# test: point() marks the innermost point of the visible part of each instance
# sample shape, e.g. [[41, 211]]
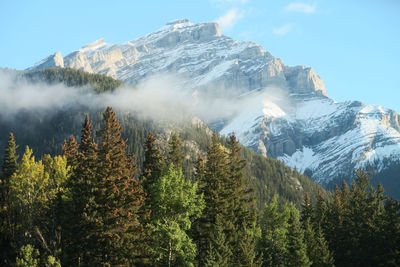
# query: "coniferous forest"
[[91, 207], [113, 198]]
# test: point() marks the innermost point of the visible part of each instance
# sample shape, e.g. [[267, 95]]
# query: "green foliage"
[[152, 168], [28, 257], [218, 252], [175, 154], [7, 218], [215, 186], [177, 203], [117, 236], [296, 249], [356, 224], [274, 228]]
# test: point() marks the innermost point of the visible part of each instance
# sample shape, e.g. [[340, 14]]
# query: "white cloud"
[[301, 8], [229, 18], [282, 30]]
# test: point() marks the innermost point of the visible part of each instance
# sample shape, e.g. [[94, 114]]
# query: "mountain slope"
[[287, 115]]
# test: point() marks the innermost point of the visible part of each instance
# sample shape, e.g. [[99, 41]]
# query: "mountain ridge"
[[292, 118]]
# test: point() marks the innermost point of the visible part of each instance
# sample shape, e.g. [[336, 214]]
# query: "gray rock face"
[[302, 126], [54, 61], [200, 54]]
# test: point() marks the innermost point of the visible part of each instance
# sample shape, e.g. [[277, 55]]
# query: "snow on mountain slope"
[[326, 139], [282, 111]]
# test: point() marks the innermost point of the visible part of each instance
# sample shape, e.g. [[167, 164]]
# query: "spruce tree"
[[296, 249], [307, 211], [317, 247], [7, 214], [118, 236], [83, 160], [215, 188], [152, 168], [218, 252], [70, 151], [242, 208], [389, 242], [175, 154], [274, 227]]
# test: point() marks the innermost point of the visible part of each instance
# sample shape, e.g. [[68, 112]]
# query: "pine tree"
[[296, 249], [317, 247], [307, 211], [389, 242], [152, 168], [215, 188], [322, 257], [118, 237], [242, 208], [320, 211], [83, 160], [274, 226], [217, 251], [175, 155], [70, 151], [7, 214]]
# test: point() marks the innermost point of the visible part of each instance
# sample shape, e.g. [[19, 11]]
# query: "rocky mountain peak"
[[197, 52], [289, 116], [53, 61]]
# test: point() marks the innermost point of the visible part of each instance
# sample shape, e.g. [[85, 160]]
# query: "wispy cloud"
[[285, 29], [229, 18], [301, 8]]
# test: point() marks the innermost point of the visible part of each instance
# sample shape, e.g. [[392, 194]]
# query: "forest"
[[87, 208], [115, 195]]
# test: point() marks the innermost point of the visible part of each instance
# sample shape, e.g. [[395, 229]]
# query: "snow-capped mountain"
[[287, 115]]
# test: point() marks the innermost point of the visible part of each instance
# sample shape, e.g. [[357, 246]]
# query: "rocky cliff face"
[[196, 52], [288, 114]]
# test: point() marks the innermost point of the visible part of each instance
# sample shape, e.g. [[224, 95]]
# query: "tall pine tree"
[[215, 188], [175, 154], [7, 214], [242, 209], [118, 236], [296, 249]]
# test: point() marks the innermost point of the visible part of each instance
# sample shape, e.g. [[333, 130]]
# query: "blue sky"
[[353, 45]]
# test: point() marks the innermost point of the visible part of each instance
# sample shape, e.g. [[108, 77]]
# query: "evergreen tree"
[[70, 151], [175, 155], [320, 211], [152, 168], [274, 226], [7, 214], [296, 249], [83, 159], [215, 188], [242, 209], [317, 247], [218, 252], [118, 237], [389, 242], [307, 211]]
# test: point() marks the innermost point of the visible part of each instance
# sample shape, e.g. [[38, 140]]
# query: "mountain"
[[288, 114]]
